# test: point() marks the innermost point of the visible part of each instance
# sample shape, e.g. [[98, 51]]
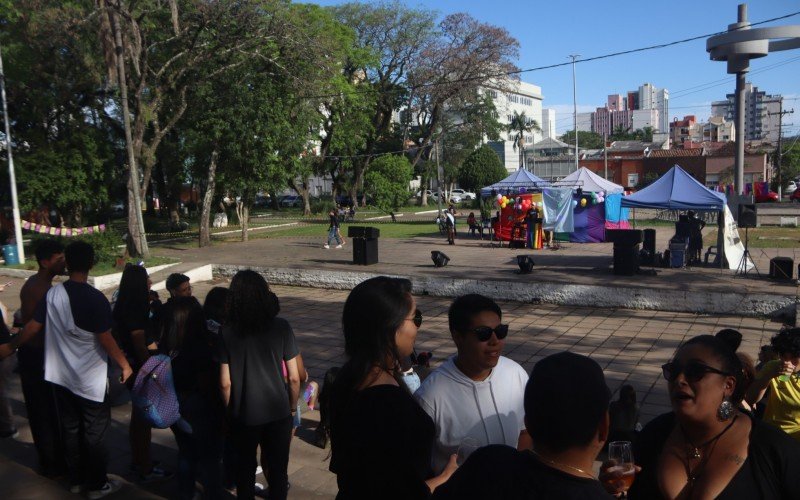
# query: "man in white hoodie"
[[476, 393]]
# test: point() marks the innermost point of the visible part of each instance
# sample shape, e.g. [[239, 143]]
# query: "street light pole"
[[11, 176], [575, 107]]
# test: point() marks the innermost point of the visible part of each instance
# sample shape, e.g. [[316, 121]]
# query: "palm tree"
[[519, 125]]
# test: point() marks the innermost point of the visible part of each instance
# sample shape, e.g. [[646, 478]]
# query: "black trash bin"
[[365, 244], [626, 250]]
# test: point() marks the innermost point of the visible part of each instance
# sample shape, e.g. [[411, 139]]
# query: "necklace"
[[693, 452], [559, 464]]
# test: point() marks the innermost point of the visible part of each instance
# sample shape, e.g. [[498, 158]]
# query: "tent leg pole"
[[720, 238]]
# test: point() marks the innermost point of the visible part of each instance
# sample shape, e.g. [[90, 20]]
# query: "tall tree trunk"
[[137, 240], [245, 220], [304, 191], [208, 197], [273, 201]]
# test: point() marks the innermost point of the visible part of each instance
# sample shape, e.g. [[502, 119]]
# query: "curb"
[[730, 303]]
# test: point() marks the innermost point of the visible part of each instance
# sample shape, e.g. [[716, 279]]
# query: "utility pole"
[[439, 175], [779, 151], [605, 153], [11, 175], [575, 107]]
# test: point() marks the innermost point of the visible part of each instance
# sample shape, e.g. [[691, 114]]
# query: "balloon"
[[583, 202], [504, 199], [503, 205], [499, 197], [574, 203]]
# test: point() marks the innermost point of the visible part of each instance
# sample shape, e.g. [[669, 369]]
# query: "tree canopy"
[[481, 168]]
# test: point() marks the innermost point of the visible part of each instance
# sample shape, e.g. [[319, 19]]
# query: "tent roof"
[[676, 190], [591, 182], [518, 179]]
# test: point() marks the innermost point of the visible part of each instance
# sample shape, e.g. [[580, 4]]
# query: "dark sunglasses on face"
[[692, 370], [484, 333], [417, 319]]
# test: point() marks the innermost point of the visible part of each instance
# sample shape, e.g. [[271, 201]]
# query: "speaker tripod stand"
[[741, 269]]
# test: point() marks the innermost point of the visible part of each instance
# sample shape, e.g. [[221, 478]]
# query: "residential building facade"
[[761, 113]]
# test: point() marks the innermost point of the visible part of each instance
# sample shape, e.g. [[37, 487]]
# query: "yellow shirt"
[[783, 405]]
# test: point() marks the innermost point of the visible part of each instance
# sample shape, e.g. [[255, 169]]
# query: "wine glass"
[[621, 453], [465, 449]]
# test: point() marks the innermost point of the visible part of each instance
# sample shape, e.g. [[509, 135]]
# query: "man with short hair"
[[40, 403], [77, 346], [178, 285], [476, 393], [566, 413]]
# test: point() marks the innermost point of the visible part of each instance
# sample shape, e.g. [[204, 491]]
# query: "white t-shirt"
[[490, 411]]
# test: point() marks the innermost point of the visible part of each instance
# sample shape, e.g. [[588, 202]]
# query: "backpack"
[[154, 397]]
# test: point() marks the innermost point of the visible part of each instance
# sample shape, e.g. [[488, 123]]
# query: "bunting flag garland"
[[62, 231]]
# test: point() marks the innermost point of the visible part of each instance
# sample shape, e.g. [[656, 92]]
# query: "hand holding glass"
[[621, 453]]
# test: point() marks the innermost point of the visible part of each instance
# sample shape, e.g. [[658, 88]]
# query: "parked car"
[[454, 198], [768, 197], [795, 197], [431, 194], [292, 201], [791, 188], [465, 195]]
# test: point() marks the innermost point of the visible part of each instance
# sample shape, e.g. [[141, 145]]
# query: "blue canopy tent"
[[510, 185], [677, 190]]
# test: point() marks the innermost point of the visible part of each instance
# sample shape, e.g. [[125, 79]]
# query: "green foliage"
[[588, 140], [481, 168], [387, 181], [106, 244]]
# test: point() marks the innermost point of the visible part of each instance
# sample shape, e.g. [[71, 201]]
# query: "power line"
[[559, 65]]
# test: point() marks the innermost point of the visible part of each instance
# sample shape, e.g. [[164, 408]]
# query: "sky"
[[549, 31]]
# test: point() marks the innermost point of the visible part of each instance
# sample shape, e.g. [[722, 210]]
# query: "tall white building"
[[646, 118], [548, 123], [651, 97], [523, 98], [761, 113]]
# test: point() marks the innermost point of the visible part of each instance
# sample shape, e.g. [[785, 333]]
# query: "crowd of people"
[[478, 426]]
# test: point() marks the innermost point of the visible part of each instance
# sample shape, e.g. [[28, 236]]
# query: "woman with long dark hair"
[[195, 372], [134, 333], [381, 438], [254, 341]]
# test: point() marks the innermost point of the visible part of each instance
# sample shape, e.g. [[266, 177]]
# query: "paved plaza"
[[630, 345]]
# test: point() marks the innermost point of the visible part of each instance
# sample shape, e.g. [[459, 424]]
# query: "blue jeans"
[[199, 453], [333, 235]]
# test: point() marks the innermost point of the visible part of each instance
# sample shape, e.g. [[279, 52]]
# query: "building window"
[[633, 180]]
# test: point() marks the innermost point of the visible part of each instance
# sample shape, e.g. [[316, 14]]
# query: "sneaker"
[[338, 246], [259, 470], [107, 489], [156, 474], [9, 434], [326, 246]]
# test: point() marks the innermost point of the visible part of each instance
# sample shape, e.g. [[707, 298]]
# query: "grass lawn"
[[102, 268], [764, 237], [388, 230]]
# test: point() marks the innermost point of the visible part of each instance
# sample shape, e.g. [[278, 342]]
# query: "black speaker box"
[[747, 215], [626, 260], [624, 237], [365, 251], [363, 232], [781, 268]]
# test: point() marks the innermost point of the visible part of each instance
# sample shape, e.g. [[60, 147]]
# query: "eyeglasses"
[[417, 319], [484, 333], [692, 370]]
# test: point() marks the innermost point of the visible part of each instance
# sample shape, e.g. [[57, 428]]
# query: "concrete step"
[[196, 272]]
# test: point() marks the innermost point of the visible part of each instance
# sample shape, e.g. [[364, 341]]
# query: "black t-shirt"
[[334, 221], [770, 471], [258, 391], [5, 335], [501, 472], [131, 320], [90, 308], [195, 368], [382, 444]]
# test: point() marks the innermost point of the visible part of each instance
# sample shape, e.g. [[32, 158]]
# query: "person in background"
[[781, 377], [478, 392], [7, 428], [323, 430], [178, 285], [696, 226], [333, 230], [214, 308], [196, 377], [624, 415], [380, 438], [253, 342], [566, 413], [78, 343], [40, 403], [731, 337], [133, 330], [450, 223], [309, 391], [473, 223]]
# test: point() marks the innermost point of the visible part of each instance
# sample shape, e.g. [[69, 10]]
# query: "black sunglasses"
[[484, 333], [417, 319], [692, 370]]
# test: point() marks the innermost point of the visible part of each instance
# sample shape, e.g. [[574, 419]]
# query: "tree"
[[387, 181], [481, 168], [588, 140], [519, 126]]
